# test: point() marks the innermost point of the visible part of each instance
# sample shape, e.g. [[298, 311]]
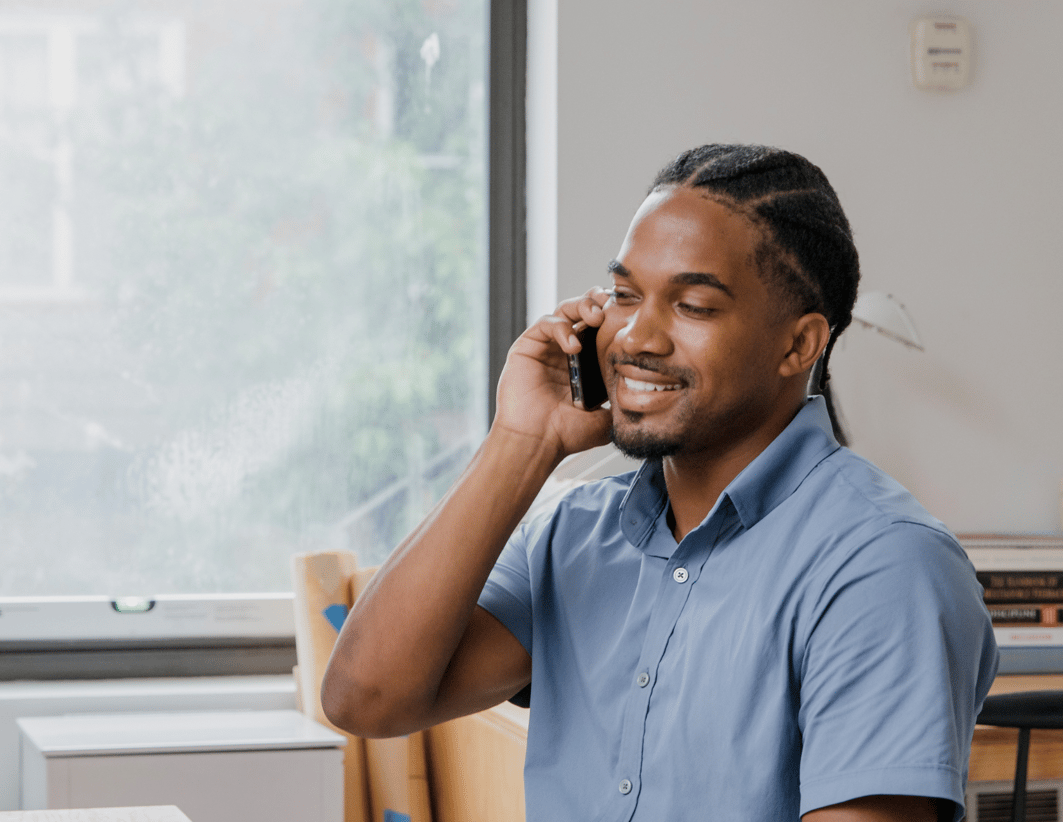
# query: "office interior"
[[953, 196]]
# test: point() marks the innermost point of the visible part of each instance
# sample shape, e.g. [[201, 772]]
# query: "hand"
[[534, 398]]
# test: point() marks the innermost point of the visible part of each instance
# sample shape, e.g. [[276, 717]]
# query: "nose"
[[645, 332]]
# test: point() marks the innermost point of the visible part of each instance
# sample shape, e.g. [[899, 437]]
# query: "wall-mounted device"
[[941, 53]]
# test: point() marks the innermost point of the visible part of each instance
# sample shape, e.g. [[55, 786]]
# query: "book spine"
[[1016, 598]]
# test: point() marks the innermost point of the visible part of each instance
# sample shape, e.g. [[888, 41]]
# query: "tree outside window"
[[242, 287]]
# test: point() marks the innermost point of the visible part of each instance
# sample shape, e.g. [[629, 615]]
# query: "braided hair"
[[806, 254]]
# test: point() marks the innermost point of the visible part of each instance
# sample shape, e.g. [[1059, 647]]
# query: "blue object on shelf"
[[336, 614]]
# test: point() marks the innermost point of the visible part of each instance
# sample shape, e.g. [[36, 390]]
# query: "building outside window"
[[242, 285]]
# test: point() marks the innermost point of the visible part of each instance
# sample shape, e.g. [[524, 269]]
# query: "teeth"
[[636, 385]]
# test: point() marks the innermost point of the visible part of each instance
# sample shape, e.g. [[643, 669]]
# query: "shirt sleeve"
[[507, 594], [896, 664]]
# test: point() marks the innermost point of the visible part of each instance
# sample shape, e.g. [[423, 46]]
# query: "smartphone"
[[584, 373]]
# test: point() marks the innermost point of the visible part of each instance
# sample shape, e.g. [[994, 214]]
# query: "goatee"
[[640, 445]]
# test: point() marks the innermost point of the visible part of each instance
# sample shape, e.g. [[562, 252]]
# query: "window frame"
[[36, 640]]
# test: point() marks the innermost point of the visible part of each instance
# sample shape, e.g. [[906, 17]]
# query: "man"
[[756, 625]]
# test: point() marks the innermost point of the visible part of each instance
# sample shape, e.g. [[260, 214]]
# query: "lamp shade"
[[880, 311]]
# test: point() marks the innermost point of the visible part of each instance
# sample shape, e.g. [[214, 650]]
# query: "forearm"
[[388, 667]]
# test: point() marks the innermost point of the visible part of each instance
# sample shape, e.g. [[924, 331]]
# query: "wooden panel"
[[381, 775], [396, 768], [397, 777], [468, 770], [476, 766], [993, 749], [321, 581]]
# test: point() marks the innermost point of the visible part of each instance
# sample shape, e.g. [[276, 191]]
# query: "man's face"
[[692, 339]]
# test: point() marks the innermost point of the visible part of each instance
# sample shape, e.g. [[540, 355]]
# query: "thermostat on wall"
[[941, 53]]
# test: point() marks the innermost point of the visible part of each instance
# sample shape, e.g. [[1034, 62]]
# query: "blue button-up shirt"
[[819, 637]]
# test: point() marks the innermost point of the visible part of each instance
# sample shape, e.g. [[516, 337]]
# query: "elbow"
[[364, 709], [337, 705], [349, 705]]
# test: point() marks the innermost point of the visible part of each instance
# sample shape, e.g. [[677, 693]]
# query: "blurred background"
[[242, 284]]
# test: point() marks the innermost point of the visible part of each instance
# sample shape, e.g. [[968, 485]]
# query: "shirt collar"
[[782, 466], [769, 479]]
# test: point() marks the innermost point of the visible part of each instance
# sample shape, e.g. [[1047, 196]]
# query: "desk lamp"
[[887, 316], [882, 312]]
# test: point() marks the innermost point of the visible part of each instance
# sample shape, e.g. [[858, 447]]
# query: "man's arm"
[[416, 650], [884, 809], [894, 669]]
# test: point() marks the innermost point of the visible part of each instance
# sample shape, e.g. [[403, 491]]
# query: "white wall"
[[955, 200]]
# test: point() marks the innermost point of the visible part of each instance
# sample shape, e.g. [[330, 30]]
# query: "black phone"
[[584, 373]]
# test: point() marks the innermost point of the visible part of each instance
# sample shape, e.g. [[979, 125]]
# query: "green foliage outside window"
[[286, 268]]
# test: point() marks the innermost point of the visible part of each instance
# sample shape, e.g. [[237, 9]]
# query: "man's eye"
[[622, 297], [696, 310]]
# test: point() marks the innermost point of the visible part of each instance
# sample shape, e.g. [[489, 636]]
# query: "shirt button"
[[625, 786], [680, 575], [643, 680]]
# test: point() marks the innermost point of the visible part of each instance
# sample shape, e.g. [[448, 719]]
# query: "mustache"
[[643, 363]]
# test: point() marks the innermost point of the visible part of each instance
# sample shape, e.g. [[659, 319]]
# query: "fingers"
[[534, 393], [553, 329], [588, 310], [560, 327]]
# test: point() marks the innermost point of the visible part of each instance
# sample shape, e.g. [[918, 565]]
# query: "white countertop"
[[175, 732], [161, 813]]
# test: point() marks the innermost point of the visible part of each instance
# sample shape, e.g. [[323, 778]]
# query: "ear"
[[808, 338]]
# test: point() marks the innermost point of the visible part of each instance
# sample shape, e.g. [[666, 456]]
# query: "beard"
[[639, 445], [642, 445]]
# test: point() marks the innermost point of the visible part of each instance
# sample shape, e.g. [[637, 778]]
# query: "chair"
[[1024, 710]]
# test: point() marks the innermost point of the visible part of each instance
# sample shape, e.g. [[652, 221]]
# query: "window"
[[243, 290]]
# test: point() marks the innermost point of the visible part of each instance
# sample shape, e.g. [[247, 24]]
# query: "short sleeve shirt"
[[819, 637]]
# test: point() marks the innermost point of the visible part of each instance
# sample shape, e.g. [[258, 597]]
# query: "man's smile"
[[637, 385], [650, 371]]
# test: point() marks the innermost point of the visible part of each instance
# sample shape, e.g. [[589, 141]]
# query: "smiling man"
[[757, 624]]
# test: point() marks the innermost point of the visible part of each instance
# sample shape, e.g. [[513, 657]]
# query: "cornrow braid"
[[807, 252]]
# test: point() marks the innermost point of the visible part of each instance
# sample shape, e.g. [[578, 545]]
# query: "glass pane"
[[27, 179], [242, 285]]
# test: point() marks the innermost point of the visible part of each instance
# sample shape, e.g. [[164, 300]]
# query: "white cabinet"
[[265, 766]]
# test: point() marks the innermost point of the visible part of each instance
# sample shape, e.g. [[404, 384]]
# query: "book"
[[1022, 579]]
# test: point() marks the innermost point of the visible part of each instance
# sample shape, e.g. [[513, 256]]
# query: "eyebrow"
[[618, 269]]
